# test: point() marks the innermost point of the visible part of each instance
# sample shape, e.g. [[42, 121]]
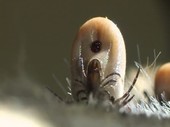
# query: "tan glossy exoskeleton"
[[98, 61]]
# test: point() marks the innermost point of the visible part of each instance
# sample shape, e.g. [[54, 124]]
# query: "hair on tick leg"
[[60, 85], [67, 92], [153, 64], [138, 53], [68, 86], [56, 95]]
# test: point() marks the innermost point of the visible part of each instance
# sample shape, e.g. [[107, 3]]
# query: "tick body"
[[162, 82], [98, 60]]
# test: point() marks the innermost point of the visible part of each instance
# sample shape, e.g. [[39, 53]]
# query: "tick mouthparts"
[[93, 66], [93, 75]]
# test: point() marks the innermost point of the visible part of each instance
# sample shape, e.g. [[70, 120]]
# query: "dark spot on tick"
[[96, 46]]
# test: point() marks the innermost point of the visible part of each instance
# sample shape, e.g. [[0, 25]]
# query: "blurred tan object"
[[162, 82]]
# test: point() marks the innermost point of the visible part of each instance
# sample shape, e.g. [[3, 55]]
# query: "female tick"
[[98, 61]]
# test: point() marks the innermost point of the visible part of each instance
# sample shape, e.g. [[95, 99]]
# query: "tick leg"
[[126, 98], [134, 81]]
